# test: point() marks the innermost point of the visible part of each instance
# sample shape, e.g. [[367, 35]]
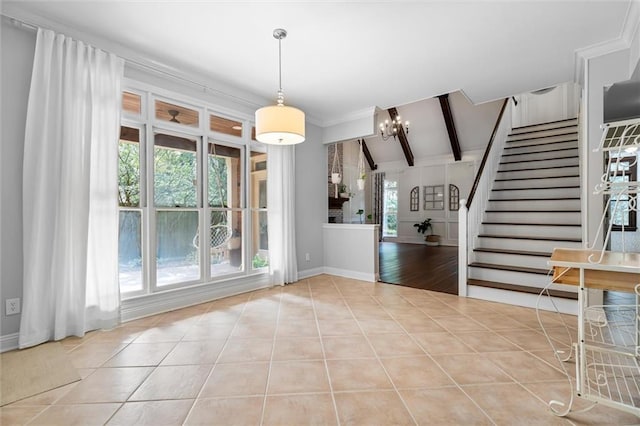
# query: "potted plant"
[[360, 212], [423, 227], [343, 191]]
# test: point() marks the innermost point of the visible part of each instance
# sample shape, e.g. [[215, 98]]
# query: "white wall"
[[311, 201], [561, 103], [16, 48], [439, 171]]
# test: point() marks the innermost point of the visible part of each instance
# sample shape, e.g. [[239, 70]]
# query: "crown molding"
[[368, 112], [623, 41]]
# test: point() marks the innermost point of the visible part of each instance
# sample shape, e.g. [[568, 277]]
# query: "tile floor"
[[326, 350]]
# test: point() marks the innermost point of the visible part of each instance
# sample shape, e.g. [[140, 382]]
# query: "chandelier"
[[280, 124], [389, 129]]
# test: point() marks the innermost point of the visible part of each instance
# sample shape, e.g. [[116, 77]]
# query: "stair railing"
[[470, 213]]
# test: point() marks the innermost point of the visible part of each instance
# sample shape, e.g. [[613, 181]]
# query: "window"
[[182, 186], [390, 207], [130, 244], [434, 197], [622, 214], [260, 242], [175, 182], [414, 199]]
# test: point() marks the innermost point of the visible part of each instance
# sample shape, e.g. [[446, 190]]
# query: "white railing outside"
[[469, 220]]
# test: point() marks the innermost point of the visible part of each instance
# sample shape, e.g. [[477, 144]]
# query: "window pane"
[[260, 252], [130, 251], [224, 125], [176, 114], [225, 238], [175, 178], [225, 176], [129, 167], [177, 247], [258, 180], [131, 103], [390, 219]]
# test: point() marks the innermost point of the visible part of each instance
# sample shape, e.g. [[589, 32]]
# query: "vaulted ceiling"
[[345, 57]]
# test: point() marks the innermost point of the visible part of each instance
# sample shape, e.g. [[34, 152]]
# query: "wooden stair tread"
[[539, 137], [537, 187], [548, 122], [540, 152], [540, 159], [530, 224], [540, 168], [510, 268], [535, 199], [533, 211], [518, 252], [535, 177], [522, 288], [521, 237], [540, 144]]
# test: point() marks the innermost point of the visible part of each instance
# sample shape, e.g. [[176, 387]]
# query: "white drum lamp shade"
[[280, 125]]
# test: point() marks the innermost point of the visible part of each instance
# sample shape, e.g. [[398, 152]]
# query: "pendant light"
[[280, 124]]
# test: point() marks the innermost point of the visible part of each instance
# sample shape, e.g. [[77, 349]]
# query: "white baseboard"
[[528, 300], [157, 303], [308, 273], [9, 342], [362, 276]]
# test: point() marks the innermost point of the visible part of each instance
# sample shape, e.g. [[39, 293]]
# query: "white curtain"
[[281, 220], [70, 213]]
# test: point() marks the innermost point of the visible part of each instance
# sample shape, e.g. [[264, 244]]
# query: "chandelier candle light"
[[392, 129], [280, 124]]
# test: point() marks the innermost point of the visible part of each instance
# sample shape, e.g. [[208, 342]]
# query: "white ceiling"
[[342, 57]]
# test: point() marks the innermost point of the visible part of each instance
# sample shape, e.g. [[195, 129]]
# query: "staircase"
[[534, 206]]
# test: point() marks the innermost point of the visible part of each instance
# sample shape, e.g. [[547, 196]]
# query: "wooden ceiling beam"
[[451, 127], [402, 137], [367, 155]]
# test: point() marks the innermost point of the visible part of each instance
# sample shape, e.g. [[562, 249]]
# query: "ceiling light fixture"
[[280, 124], [174, 113], [389, 129]]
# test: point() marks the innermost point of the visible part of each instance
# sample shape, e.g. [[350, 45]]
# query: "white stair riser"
[[510, 165], [511, 259], [543, 133], [545, 126], [548, 155], [540, 173], [542, 141], [541, 147], [535, 193], [534, 205], [528, 245], [533, 230], [561, 181], [532, 217], [509, 277]]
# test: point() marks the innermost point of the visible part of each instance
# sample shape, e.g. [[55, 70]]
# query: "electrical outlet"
[[307, 257], [12, 306]]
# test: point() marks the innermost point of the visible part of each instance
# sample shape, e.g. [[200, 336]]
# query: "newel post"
[[463, 244]]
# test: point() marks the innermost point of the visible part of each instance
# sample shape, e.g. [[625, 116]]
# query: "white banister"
[[480, 198], [463, 259]]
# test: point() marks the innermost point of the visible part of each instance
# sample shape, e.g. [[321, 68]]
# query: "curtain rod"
[[34, 28]]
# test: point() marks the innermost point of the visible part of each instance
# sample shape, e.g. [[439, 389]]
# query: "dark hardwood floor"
[[420, 266]]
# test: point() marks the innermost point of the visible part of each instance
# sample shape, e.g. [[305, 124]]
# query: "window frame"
[[633, 177], [149, 126]]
